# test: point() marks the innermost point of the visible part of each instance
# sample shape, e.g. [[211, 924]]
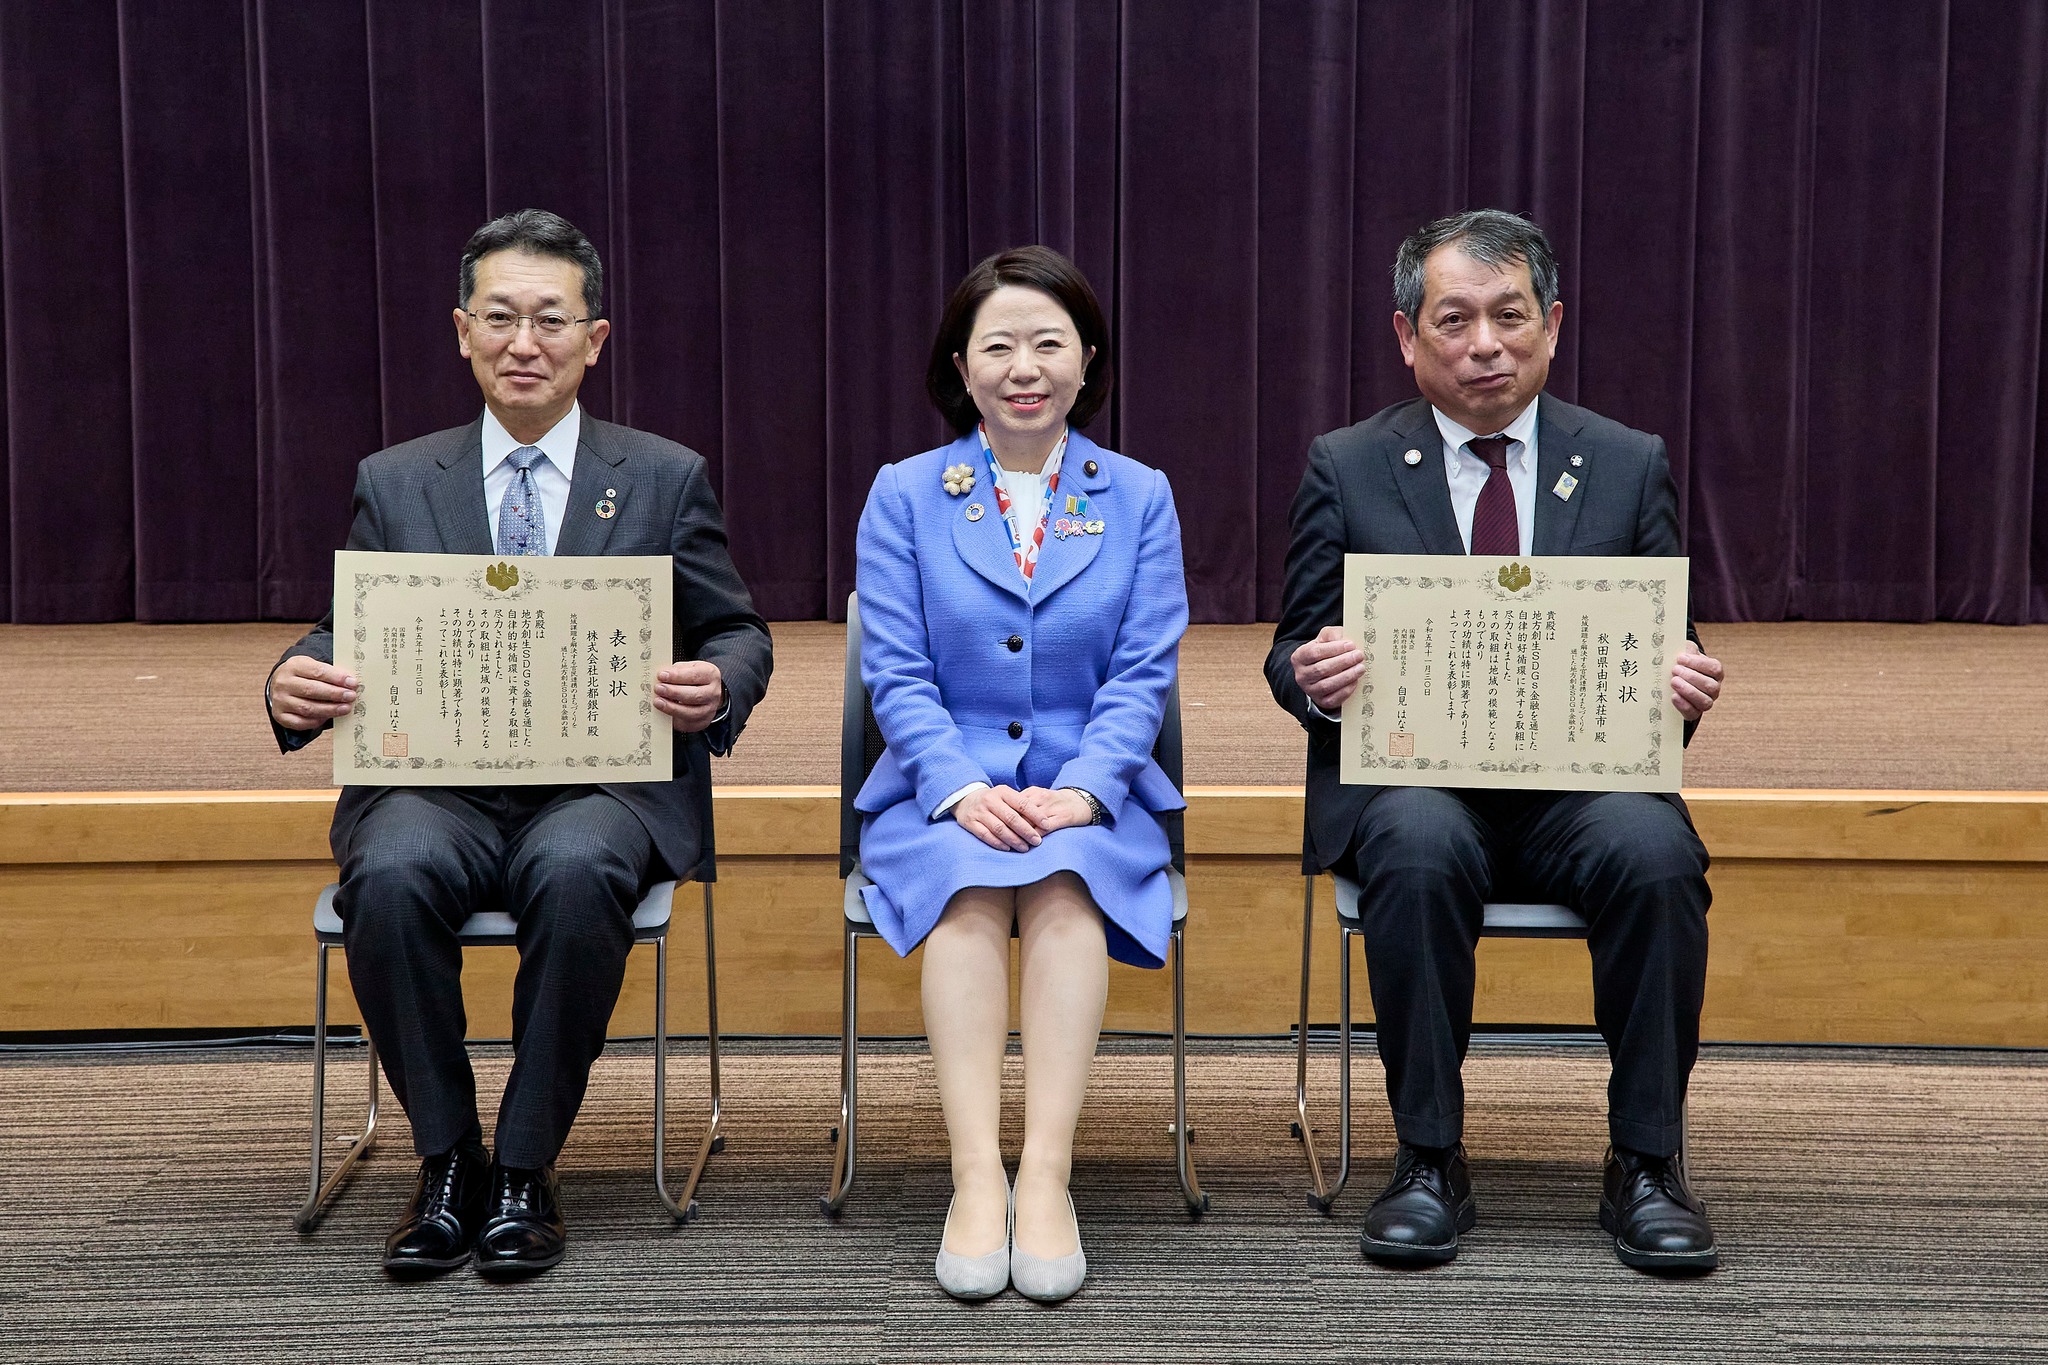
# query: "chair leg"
[[684, 1207], [317, 1193], [845, 1137], [1190, 1185], [1321, 1196]]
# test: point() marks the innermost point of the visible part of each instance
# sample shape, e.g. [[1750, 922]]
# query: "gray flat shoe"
[[1053, 1280], [973, 1277]]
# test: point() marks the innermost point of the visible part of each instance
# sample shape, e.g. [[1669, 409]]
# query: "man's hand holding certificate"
[[1552, 672], [481, 670]]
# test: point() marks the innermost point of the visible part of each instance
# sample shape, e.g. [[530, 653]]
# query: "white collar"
[[559, 445], [1522, 429]]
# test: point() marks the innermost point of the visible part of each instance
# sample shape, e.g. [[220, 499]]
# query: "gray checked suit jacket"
[[1359, 496], [427, 497]]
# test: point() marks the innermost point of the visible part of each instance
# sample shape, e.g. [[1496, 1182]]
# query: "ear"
[[1404, 332], [599, 330], [961, 366], [1552, 322], [462, 333]]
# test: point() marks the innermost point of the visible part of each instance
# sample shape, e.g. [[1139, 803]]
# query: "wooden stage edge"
[[1902, 917]]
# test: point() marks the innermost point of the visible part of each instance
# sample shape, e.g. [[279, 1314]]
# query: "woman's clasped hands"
[[1005, 818]]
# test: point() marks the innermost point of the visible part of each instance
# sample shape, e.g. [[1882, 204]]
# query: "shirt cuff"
[[946, 806], [1315, 710]]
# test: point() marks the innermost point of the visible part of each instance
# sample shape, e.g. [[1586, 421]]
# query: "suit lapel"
[[455, 496], [1059, 559], [982, 542], [1557, 441], [1423, 484], [600, 475]]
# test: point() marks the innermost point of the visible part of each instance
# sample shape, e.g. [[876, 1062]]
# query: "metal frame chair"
[[861, 745], [496, 929], [1502, 920]]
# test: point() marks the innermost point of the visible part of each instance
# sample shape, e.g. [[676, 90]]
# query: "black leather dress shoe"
[[440, 1224], [1416, 1221], [1657, 1222], [523, 1229]]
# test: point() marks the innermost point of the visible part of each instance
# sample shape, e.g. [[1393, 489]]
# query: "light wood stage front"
[[1839, 916]]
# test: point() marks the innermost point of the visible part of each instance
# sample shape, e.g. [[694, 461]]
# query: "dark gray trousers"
[[569, 864], [1428, 859]]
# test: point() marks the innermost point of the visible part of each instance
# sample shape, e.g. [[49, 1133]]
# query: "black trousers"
[[1428, 859], [569, 864]]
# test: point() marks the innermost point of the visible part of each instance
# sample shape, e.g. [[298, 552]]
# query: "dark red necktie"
[[1494, 528]]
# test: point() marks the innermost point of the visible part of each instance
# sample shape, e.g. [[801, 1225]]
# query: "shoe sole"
[[1695, 1262], [414, 1268], [512, 1270], [1408, 1253]]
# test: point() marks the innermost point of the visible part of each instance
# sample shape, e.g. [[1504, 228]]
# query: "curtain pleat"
[[1805, 243]]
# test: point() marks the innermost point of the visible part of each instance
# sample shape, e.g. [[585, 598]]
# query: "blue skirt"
[[918, 865]]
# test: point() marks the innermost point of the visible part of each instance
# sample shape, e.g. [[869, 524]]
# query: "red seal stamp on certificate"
[[396, 743], [1400, 744]]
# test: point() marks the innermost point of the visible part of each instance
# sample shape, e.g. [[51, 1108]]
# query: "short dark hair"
[[1033, 267], [537, 233], [1495, 236]]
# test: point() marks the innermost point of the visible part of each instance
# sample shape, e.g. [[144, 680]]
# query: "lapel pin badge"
[[611, 492], [957, 478], [1093, 528], [1412, 458], [973, 511], [1565, 484], [607, 509], [1578, 460], [1091, 469]]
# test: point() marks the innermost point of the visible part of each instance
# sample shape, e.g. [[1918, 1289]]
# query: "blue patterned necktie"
[[522, 529]]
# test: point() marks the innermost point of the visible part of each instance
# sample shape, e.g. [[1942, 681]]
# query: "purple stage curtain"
[[1804, 242]]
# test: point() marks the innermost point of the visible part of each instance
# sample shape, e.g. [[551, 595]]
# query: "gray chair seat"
[[494, 928], [1506, 919]]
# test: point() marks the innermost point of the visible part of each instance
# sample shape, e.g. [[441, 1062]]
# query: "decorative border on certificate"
[[1607, 621], [480, 670]]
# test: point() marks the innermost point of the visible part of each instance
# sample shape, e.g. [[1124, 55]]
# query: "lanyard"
[[1026, 553]]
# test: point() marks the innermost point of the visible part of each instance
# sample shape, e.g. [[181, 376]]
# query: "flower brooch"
[[958, 478]]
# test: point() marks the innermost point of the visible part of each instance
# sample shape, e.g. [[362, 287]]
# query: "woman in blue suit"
[[1022, 603]]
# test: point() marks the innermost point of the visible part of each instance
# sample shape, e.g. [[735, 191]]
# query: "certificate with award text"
[[1551, 672], [481, 670]]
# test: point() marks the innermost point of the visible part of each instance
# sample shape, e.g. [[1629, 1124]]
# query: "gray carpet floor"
[[1870, 1206]]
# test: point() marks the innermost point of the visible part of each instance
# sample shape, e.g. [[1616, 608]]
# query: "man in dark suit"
[[1483, 463], [533, 475]]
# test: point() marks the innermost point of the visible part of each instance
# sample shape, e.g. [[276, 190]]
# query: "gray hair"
[[1494, 236], [537, 233]]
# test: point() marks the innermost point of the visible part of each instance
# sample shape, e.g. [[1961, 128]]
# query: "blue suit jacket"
[[1099, 630]]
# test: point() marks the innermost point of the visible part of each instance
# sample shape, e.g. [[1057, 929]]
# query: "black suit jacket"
[[427, 497], [1359, 496]]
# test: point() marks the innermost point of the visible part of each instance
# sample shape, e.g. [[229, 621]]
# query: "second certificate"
[[1550, 673]]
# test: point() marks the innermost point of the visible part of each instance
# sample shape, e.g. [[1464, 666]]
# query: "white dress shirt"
[[1467, 473], [550, 476]]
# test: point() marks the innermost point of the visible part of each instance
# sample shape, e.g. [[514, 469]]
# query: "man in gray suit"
[[1485, 463], [533, 475]]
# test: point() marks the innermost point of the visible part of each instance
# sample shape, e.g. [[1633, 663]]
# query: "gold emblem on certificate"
[[479, 670], [1549, 673]]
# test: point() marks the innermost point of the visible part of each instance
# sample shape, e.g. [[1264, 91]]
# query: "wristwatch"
[[1097, 812]]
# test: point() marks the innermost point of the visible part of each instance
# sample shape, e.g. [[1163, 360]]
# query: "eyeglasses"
[[503, 322]]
